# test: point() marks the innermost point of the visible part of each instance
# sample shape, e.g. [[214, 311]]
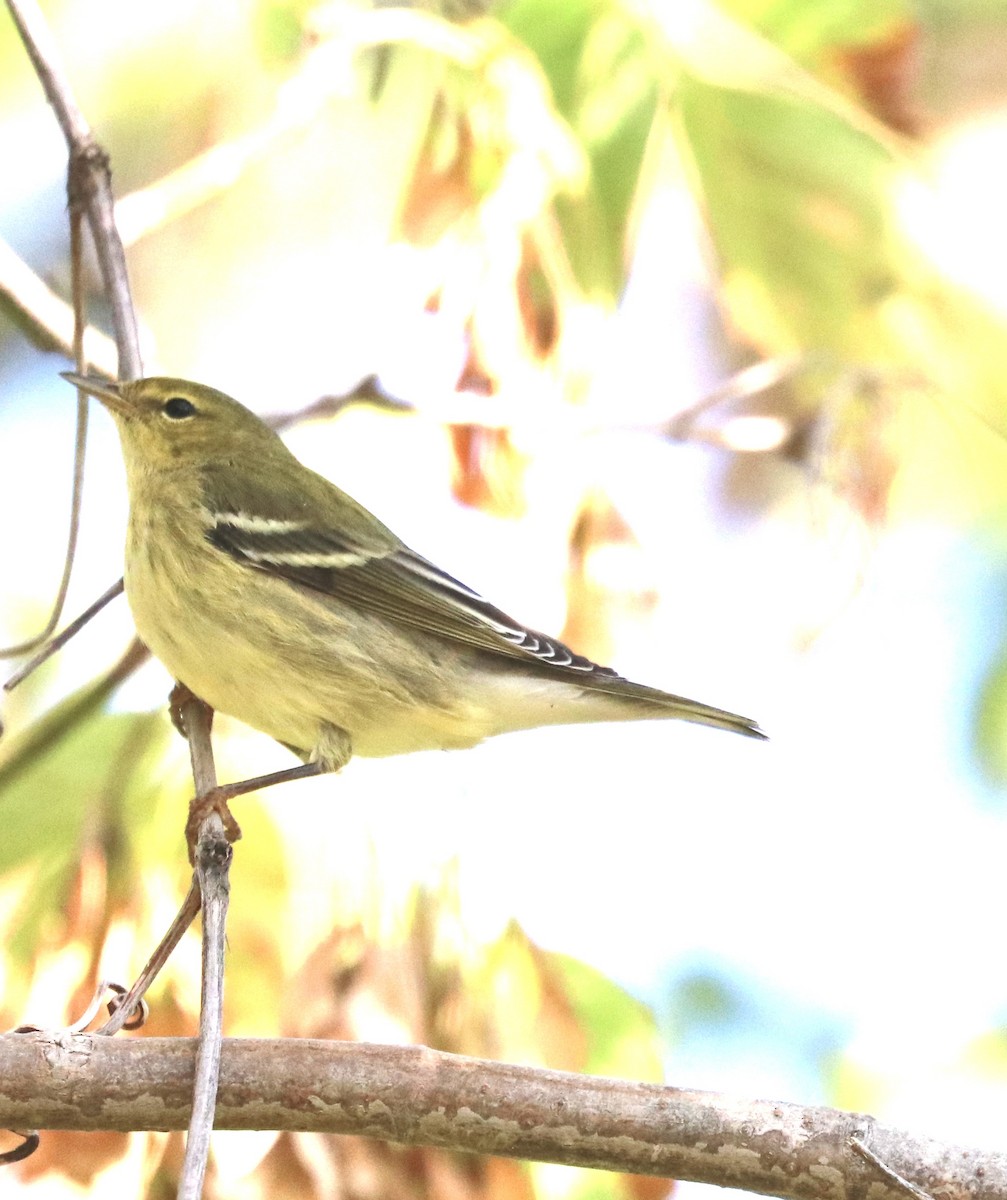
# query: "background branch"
[[80, 442], [416, 1096], [89, 192], [45, 318], [90, 181]]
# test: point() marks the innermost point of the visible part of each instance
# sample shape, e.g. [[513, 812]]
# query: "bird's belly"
[[288, 664], [240, 680]]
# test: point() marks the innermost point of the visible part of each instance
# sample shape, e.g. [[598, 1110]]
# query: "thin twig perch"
[[213, 861]]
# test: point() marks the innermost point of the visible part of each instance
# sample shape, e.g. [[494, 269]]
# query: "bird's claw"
[[200, 808], [179, 698]]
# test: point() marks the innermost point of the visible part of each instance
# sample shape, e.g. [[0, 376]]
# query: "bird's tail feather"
[[665, 704]]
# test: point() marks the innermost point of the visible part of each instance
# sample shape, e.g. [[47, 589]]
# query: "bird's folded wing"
[[389, 579]]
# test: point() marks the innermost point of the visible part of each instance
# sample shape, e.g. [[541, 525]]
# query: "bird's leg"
[[331, 753], [216, 801]]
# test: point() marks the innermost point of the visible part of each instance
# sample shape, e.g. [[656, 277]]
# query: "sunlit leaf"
[[622, 1038], [806, 201], [596, 55]]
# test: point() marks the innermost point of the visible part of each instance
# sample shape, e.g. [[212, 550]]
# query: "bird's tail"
[[635, 697], [706, 714]]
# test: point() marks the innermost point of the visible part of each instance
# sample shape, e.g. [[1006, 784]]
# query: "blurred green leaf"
[[278, 26], [596, 55], [57, 791], [621, 1033], [814, 210], [990, 736], [705, 1000], [796, 199]]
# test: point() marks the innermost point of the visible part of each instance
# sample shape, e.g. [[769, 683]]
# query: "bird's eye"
[[178, 408]]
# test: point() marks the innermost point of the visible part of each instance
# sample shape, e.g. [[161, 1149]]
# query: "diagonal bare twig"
[[89, 177], [45, 318], [80, 443], [61, 639], [124, 1008], [89, 191], [54, 725]]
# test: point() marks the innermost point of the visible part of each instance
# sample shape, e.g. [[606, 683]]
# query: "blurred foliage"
[[802, 195], [605, 83], [988, 1054], [737, 1023], [516, 148], [707, 1000], [991, 721], [64, 803], [90, 859]]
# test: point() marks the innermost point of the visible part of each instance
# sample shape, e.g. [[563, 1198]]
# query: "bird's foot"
[[216, 800], [179, 698], [200, 808]]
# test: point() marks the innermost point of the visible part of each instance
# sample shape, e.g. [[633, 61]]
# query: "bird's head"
[[165, 423]]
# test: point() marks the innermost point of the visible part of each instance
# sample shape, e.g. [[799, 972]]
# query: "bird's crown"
[[166, 420]]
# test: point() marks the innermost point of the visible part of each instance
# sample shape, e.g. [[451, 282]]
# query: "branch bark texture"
[[416, 1096]]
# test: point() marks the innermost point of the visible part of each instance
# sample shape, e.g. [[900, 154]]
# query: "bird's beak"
[[106, 390]]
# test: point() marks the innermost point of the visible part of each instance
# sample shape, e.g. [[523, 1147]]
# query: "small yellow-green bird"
[[277, 598]]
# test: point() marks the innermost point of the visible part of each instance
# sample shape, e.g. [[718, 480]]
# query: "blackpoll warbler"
[[277, 598]]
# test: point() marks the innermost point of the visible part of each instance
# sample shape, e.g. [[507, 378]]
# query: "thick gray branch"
[[417, 1096]]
